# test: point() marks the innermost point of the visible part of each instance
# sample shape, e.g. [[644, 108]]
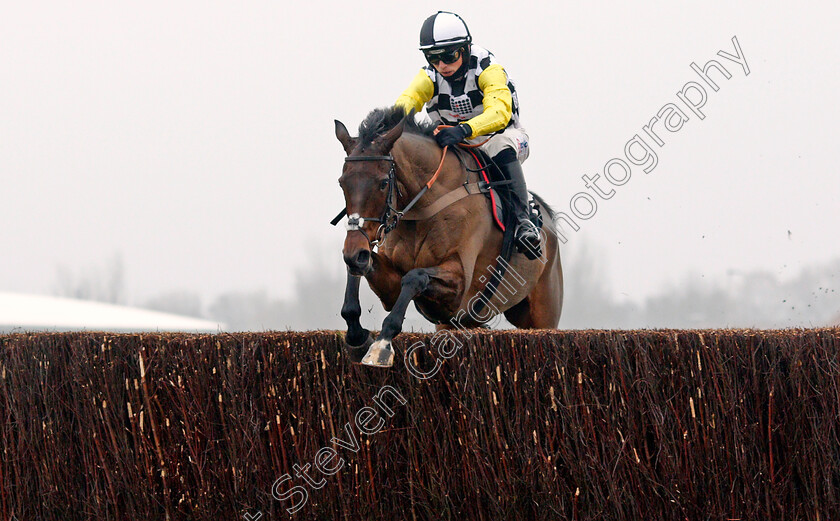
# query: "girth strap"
[[419, 214]]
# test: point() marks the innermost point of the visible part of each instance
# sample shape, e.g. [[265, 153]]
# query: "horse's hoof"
[[379, 355], [356, 353]]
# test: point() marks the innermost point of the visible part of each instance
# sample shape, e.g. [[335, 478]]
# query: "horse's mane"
[[381, 120]]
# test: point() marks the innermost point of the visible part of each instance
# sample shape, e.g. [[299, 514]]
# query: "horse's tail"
[[552, 224]]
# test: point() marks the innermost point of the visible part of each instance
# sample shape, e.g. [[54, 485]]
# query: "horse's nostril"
[[362, 258], [359, 262]]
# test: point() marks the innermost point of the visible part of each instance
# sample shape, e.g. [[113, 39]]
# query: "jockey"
[[463, 86]]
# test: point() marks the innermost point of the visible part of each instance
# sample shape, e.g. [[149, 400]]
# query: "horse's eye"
[[383, 184]]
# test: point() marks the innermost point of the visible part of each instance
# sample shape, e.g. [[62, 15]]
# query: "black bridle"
[[390, 217]]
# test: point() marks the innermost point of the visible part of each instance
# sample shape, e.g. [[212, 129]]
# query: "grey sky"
[[196, 138]]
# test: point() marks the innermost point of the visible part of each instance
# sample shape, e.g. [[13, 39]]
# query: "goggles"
[[447, 56]]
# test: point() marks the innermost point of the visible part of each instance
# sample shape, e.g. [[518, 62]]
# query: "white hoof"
[[380, 354]]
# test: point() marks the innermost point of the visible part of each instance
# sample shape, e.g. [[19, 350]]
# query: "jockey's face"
[[448, 69]]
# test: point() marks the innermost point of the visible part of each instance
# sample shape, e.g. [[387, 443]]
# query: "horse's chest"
[[403, 255]]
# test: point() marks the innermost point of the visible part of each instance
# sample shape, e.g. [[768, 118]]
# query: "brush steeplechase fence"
[[654, 425]]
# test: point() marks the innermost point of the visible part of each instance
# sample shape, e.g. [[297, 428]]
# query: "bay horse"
[[439, 261]]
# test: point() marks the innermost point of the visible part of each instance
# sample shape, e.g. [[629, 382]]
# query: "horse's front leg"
[[358, 339], [443, 283]]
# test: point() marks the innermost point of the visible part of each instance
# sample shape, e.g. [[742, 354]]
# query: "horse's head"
[[370, 192]]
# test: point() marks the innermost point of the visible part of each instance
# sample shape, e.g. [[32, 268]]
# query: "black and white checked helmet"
[[444, 30]]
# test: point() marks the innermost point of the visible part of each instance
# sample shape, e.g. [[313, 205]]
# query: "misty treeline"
[[756, 299], [749, 299], [101, 283]]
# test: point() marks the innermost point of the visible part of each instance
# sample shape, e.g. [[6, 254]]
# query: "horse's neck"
[[418, 159]]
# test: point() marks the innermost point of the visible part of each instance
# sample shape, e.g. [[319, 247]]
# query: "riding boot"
[[527, 235]]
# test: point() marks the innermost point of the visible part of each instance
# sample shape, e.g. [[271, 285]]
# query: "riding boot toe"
[[528, 239]]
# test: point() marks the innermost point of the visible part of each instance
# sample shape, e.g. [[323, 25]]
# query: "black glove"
[[452, 135]]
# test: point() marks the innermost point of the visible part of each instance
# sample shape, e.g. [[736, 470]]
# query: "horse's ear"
[[344, 137], [389, 138]]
